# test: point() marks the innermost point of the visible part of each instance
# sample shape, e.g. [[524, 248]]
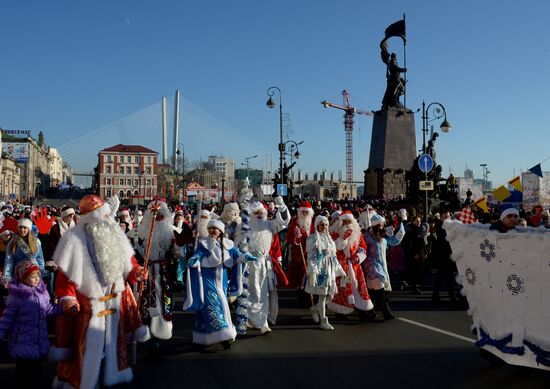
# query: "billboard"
[[18, 151]]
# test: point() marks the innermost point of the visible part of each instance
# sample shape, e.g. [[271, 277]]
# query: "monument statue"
[[395, 83]]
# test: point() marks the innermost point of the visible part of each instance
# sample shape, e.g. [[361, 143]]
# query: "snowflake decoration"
[[515, 284], [470, 276], [487, 250]]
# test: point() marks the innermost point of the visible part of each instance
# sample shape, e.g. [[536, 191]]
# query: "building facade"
[[129, 171], [10, 180], [33, 162], [55, 167], [226, 168]]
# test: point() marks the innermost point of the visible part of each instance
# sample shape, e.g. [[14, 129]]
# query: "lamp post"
[[223, 191], [292, 154], [485, 177], [247, 163], [271, 104], [438, 112]]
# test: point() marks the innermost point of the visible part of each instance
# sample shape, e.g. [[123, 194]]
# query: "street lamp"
[[271, 104], [485, 177], [292, 154], [438, 112], [247, 163], [181, 151]]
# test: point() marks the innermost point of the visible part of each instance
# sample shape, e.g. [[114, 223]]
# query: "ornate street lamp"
[[271, 104]]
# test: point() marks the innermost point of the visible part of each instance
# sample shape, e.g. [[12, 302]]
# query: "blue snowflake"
[[487, 250]]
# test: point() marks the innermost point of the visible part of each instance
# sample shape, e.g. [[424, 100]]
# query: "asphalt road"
[[401, 353]]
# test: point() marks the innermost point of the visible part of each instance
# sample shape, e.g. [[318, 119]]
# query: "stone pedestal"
[[392, 153]]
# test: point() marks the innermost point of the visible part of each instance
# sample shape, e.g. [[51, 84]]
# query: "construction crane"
[[349, 111]]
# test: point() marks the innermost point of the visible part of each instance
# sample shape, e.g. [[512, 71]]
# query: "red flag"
[[466, 216]]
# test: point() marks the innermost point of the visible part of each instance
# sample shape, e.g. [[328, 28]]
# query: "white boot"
[[325, 325], [315, 314], [265, 329]]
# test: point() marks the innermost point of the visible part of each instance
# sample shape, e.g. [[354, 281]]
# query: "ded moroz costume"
[[95, 259]]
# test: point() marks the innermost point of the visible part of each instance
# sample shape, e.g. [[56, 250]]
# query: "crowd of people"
[[109, 274]]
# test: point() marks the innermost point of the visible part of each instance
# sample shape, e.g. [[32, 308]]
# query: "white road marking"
[[452, 334]]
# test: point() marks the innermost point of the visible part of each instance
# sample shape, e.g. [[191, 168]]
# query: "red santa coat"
[[98, 332], [352, 293], [296, 239], [276, 257]]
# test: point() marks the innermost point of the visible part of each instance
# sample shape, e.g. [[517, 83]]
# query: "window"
[[108, 169], [109, 159], [148, 159], [129, 193], [129, 182], [136, 182], [148, 170], [121, 182], [121, 170], [108, 181], [136, 193], [128, 170], [108, 193], [121, 194], [148, 182], [136, 159], [136, 170]]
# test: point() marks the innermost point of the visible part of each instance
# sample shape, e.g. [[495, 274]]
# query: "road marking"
[[452, 334]]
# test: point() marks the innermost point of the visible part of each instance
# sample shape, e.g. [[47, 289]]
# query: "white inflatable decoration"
[[506, 279]]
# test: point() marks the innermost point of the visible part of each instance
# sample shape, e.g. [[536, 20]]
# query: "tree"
[[40, 139]]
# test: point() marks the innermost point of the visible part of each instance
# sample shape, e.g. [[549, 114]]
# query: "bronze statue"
[[395, 83]]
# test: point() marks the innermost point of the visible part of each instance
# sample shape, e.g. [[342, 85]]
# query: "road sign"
[[425, 163], [281, 190], [12, 196], [426, 185]]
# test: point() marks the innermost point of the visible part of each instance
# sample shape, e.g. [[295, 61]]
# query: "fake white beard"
[[260, 235], [202, 227], [353, 240], [230, 217], [63, 227], [107, 236], [305, 223], [335, 227]]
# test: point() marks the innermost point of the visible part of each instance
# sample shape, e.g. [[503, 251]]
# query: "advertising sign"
[[18, 151]]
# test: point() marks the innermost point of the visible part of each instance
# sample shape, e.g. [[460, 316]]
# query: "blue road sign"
[[281, 190], [12, 196], [425, 163]]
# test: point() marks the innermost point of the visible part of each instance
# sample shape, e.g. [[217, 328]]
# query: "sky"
[[90, 74]]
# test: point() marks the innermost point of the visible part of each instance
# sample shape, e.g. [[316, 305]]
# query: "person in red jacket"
[[300, 228], [95, 262]]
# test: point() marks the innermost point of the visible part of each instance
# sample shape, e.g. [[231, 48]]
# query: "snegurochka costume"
[[322, 269], [207, 283]]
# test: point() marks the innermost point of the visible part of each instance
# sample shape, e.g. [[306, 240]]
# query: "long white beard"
[[260, 236], [202, 227], [162, 239], [107, 237], [230, 217], [63, 227], [305, 223], [353, 240]]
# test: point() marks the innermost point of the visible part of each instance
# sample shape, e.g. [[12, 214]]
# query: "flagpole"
[[405, 66]]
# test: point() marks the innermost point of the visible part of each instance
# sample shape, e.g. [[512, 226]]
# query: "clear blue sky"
[[71, 67]]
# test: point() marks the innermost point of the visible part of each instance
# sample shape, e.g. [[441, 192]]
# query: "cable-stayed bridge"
[[200, 132]]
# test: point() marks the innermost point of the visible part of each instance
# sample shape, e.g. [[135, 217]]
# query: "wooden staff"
[[305, 267], [154, 210]]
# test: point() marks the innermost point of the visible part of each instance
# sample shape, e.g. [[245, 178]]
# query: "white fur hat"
[[204, 212], [335, 215], [346, 215], [216, 224], [24, 222], [231, 207], [319, 219], [67, 212], [376, 219]]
